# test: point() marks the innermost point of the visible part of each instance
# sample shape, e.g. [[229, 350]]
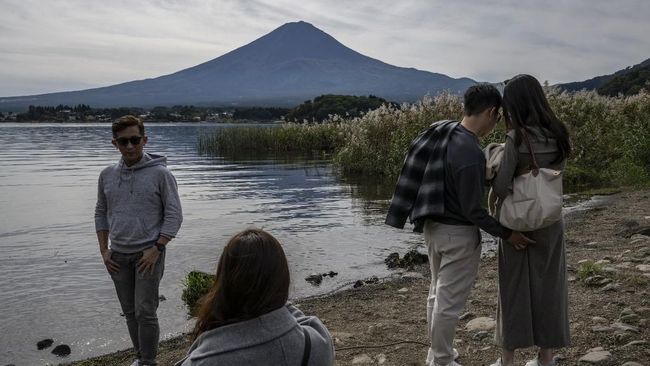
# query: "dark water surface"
[[54, 285]]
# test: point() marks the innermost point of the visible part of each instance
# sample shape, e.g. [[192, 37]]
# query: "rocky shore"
[[383, 323]]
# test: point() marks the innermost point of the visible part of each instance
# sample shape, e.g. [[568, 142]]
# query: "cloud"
[[97, 43]]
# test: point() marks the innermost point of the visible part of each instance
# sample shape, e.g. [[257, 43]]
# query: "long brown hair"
[[252, 279], [525, 106]]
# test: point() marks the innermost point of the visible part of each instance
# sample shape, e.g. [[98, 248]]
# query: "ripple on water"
[[51, 276]]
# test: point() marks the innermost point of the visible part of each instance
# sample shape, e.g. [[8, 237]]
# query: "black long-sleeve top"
[[465, 185]]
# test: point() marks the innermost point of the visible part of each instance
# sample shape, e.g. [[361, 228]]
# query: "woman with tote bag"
[[533, 304]]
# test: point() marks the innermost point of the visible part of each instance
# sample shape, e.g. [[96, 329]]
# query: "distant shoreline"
[[242, 121]]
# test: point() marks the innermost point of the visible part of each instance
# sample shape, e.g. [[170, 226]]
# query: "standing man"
[[441, 188], [139, 209]]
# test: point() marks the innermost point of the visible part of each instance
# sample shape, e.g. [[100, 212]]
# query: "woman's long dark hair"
[[525, 105], [252, 279]]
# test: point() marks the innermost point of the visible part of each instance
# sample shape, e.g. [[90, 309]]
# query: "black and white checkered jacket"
[[420, 189]]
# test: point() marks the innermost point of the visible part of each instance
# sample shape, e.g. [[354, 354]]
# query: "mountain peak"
[[301, 24], [296, 40], [292, 63]]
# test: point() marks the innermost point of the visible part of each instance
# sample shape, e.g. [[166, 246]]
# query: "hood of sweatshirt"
[[148, 160], [127, 173], [244, 334]]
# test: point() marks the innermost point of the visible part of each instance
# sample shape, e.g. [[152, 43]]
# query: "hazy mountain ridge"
[[295, 62]]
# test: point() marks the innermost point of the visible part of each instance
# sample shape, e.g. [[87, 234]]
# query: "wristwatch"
[[161, 247]]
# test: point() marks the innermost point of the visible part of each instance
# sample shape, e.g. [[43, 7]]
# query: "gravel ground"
[[384, 323]]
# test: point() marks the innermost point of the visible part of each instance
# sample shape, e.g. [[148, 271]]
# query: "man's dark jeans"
[[138, 295]]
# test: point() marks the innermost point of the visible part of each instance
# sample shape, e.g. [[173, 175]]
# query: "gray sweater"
[[137, 204], [275, 338]]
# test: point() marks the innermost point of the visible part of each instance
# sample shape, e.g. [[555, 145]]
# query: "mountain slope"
[[297, 61], [598, 81], [629, 83]]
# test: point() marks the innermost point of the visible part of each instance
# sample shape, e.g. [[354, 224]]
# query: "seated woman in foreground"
[[245, 319]]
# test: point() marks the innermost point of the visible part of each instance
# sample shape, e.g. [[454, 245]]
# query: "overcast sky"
[[57, 45]]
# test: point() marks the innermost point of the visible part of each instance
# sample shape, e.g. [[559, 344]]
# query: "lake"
[[52, 280]]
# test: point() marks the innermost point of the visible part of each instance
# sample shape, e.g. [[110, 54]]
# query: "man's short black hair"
[[480, 97], [125, 122]]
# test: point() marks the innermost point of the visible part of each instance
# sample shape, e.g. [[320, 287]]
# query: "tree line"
[[316, 110]]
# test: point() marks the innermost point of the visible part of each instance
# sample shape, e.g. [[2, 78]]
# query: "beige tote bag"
[[536, 198]]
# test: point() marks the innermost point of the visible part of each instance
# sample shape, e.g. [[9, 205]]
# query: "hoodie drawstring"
[[131, 178]]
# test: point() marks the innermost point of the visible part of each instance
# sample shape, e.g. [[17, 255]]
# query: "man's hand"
[[519, 240], [110, 264], [147, 263]]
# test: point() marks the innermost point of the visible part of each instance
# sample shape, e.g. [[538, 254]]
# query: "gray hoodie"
[[137, 204], [275, 338]]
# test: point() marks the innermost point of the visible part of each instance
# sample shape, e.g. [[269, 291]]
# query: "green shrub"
[[308, 138], [196, 285], [376, 143], [588, 269], [610, 137]]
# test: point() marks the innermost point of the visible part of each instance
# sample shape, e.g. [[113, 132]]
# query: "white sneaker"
[[536, 362], [430, 357], [136, 363]]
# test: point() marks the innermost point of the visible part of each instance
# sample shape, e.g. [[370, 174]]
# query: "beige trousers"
[[454, 256]]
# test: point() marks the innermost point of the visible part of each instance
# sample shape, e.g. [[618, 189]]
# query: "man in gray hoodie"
[[139, 209]]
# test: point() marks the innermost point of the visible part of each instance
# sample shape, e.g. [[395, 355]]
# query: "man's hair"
[[125, 122], [480, 97]]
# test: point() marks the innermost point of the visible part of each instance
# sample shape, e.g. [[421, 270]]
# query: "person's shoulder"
[[109, 169], [465, 141], [163, 170], [161, 173]]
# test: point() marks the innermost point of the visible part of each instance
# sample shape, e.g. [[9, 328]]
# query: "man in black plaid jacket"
[[440, 189]]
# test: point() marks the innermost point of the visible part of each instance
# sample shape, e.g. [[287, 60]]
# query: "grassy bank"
[[610, 135], [289, 137]]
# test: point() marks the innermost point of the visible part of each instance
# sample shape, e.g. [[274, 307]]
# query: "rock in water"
[[373, 279], [392, 260], [314, 279], [62, 350], [413, 257], [45, 343]]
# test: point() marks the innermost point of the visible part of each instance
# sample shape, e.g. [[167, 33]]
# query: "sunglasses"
[[124, 141]]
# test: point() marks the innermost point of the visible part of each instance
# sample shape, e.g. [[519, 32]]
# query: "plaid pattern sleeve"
[[420, 187]]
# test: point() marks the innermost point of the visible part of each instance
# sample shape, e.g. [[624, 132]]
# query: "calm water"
[[53, 283]]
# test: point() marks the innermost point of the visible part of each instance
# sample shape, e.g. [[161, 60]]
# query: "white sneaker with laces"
[[430, 356]]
